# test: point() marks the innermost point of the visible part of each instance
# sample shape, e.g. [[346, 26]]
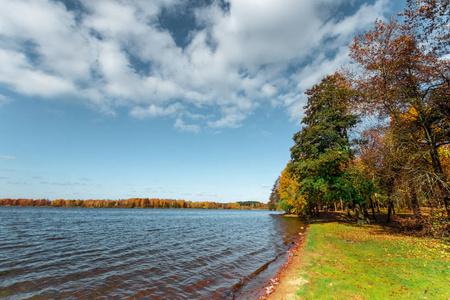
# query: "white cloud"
[[118, 55], [232, 118], [7, 157], [308, 76], [186, 127], [155, 111], [19, 74]]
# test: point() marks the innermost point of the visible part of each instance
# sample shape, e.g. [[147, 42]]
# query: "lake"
[[85, 253]]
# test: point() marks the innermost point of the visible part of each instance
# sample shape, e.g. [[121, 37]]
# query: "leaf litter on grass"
[[365, 262]]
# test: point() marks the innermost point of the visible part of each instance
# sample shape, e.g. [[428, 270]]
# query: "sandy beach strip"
[[285, 284]]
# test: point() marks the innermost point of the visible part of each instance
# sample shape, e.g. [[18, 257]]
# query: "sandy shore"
[[288, 279]]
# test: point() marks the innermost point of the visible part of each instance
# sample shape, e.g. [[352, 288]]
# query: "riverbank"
[[340, 260]]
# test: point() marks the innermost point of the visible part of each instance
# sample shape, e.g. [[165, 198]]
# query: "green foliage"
[[285, 205], [327, 119], [323, 151]]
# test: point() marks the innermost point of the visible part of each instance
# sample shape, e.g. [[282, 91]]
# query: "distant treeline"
[[133, 203]]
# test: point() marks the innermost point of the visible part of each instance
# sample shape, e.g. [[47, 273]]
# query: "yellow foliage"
[[288, 190], [444, 156], [286, 182]]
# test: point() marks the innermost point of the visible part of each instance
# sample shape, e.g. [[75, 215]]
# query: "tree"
[[291, 199], [323, 151], [430, 19], [400, 76], [384, 160], [287, 188], [274, 195], [327, 119]]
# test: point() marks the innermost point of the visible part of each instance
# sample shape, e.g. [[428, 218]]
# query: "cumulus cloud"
[[237, 55]]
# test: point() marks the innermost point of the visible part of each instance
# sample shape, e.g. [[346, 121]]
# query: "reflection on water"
[[82, 253]]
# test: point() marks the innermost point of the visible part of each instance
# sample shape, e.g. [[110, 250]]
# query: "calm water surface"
[[83, 253]]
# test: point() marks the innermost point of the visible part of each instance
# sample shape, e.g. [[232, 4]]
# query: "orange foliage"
[[130, 203]]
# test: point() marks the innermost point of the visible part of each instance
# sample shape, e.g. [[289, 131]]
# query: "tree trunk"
[[437, 167], [445, 197], [378, 203], [342, 205], [415, 203], [388, 219], [390, 204], [359, 214], [366, 214], [373, 210], [372, 207]]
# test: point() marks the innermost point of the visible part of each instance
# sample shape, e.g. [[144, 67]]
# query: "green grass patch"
[[365, 262]]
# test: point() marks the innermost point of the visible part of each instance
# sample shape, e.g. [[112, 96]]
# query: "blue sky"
[[194, 100]]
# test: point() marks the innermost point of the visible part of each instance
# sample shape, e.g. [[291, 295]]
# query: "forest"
[[133, 203], [376, 135]]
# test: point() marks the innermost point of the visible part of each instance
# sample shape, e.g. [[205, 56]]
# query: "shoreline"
[[261, 282], [350, 260], [286, 281]]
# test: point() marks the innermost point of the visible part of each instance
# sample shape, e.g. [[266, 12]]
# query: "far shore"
[[133, 203]]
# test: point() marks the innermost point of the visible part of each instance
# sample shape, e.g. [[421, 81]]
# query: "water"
[[83, 253]]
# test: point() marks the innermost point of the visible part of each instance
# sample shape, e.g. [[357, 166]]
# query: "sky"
[[179, 99]]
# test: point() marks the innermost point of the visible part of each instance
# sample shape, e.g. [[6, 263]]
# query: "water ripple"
[[76, 253]]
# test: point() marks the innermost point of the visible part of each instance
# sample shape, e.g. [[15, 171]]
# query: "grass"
[[343, 261]]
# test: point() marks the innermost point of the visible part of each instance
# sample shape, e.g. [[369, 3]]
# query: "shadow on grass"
[[379, 219], [402, 223]]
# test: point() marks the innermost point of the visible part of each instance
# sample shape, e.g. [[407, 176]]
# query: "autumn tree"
[[399, 75], [371, 159], [384, 159], [274, 195], [132, 203], [430, 20], [287, 188], [291, 199]]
